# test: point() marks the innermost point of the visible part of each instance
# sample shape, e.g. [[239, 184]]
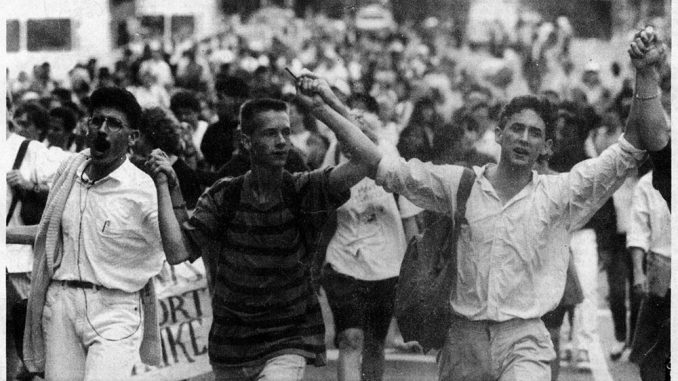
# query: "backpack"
[[428, 275]]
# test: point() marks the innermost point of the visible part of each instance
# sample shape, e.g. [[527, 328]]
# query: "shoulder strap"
[[463, 193], [17, 164], [290, 194], [20, 154], [232, 197]]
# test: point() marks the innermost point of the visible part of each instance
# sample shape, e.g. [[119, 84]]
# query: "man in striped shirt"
[[256, 234]]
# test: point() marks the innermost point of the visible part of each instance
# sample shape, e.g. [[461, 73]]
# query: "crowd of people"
[[283, 181]]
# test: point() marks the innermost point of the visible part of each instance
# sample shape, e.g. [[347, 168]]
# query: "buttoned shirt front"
[[512, 257], [110, 230], [650, 223]]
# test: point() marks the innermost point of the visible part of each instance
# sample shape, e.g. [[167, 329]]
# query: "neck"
[[266, 181], [96, 171], [511, 175]]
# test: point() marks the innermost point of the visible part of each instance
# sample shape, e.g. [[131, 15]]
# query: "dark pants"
[[652, 343], [620, 281]]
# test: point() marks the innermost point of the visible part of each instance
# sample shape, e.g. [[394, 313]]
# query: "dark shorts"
[[355, 303]]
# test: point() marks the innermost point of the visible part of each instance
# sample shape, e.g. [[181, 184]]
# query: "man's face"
[[109, 135], [523, 139], [25, 127], [187, 115], [269, 144], [56, 134]]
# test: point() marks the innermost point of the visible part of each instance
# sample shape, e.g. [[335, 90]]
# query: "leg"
[[380, 300], [350, 343], [283, 368], [523, 351], [465, 354], [112, 323], [61, 340], [554, 322], [345, 296], [616, 281], [585, 252]]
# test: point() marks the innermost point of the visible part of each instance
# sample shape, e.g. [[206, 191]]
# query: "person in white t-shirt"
[[363, 262]]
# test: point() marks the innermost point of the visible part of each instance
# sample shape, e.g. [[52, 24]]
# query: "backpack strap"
[[17, 164], [231, 198], [463, 192]]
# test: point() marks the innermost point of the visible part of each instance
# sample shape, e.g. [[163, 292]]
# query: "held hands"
[[313, 91], [640, 286], [646, 50], [17, 181], [159, 167]]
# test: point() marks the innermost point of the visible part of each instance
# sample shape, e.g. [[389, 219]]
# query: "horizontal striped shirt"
[[264, 304]]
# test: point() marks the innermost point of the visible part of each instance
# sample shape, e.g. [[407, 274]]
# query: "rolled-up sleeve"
[[639, 234], [426, 185], [591, 182]]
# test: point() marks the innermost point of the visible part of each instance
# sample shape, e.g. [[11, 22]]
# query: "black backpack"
[[428, 275]]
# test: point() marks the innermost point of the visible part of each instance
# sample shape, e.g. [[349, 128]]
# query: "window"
[[182, 27], [13, 35], [48, 34], [152, 27]]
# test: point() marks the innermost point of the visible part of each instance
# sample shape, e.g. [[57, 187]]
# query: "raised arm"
[[316, 94], [647, 127], [171, 209]]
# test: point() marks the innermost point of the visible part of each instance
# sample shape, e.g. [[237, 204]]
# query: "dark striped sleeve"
[[318, 200]]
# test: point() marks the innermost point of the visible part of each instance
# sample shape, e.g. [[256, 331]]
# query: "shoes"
[[583, 363], [617, 350]]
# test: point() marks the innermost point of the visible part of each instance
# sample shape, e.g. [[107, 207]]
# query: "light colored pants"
[[288, 367], [585, 252], [515, 350], [90, 334]]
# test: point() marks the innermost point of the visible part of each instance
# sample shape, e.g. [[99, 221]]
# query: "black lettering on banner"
[[194, 339], [173, 342], [178, 307], [196, 300]]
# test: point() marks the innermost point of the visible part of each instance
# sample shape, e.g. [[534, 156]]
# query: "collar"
[[118, 174]]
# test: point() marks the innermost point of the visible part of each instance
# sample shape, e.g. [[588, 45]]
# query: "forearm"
[[22, 235], [647, 127], [637, 256], [171, 215], [355, 142]]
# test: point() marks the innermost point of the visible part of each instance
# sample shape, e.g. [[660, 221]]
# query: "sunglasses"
[[112, 124]]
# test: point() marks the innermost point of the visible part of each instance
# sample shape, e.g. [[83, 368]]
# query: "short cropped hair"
[[119, 99], [251, 109], [184, 99], [66, 115], [546, 111]]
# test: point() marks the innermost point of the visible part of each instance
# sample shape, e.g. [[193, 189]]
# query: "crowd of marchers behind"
[[422, 90]]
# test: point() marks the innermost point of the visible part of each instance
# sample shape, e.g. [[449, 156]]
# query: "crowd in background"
[[421, 89]]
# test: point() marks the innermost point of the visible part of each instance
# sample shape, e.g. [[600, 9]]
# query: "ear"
[[246, 141], [133, 137], [548, 147], [497, 135]]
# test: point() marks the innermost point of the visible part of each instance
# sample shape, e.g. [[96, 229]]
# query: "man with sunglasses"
[[97, 249]]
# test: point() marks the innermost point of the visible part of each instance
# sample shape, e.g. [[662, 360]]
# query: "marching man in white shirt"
[[513, 254]]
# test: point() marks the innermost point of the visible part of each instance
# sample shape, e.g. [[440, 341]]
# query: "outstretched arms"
[[317, 96], [646, 127]]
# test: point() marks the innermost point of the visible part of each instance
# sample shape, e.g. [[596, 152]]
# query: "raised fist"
[[646, 50]]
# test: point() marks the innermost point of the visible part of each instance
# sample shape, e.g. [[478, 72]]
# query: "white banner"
[[185, 317]]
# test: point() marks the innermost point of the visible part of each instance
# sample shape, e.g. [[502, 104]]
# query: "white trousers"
[[91, 334], [585, 251]]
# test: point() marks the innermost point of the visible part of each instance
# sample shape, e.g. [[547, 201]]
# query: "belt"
[[79, 284]]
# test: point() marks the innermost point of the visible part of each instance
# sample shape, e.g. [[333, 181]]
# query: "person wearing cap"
[[91, 308]]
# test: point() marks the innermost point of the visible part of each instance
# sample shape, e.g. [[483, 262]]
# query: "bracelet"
[[182, 206], [36, 188], [647, 98]]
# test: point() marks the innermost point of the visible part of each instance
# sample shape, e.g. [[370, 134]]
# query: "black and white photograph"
[[350, 190]]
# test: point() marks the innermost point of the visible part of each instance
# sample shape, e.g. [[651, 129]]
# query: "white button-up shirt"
[[110, 231], [512, 257], [650, 225]]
